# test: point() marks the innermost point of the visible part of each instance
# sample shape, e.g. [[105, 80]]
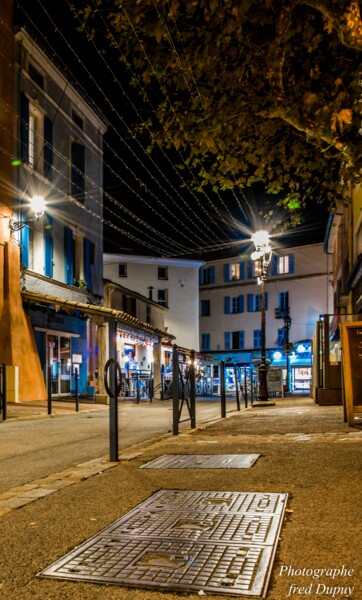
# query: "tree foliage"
[[249, 90]]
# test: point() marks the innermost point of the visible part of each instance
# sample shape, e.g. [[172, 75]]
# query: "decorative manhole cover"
[[203, 461], [218, 542]]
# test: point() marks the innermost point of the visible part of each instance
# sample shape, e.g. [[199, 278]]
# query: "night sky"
[[147, 196]]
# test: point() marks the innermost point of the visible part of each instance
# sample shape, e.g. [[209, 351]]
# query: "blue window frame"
[[69, 255], [205, 308], [48, 148], [48, 247], [77, 171], [207, 275], [227, 340], [282, 265], [234, 271], [257, 339], [254, 302], [281, 336], [205, 342], [234, 304], [25, 247], [283, 300]]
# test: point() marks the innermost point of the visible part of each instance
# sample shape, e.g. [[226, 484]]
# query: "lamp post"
[[262, 253]]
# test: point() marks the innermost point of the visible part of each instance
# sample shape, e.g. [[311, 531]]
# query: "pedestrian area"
[[284, 525]]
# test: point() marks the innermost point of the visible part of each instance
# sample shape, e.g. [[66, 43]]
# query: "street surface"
[[32, 448]]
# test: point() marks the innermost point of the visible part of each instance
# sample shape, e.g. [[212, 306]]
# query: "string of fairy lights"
[[201, 237]]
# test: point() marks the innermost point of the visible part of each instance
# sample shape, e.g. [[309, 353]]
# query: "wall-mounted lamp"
[[37, 206]]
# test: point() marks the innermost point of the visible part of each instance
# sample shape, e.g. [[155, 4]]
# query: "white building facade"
[[59, 145], [172, 283], [297, 288]]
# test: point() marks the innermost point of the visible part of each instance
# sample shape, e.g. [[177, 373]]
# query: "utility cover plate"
[[218, 542], [202, 461]]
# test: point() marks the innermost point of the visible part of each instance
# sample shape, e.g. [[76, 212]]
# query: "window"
[[88, 256], [254, 302], [162, 297], [36, 138], [283, 300], [257, 339], [122, 270], [205, 342], [148, 313], [205, 308], [69, 255], [77, 171], [48, 246], [282, 265], [234, 340], [162, 273], [234, 304], [207, 275], [36, 76], [281, 336], [77, 119], [234, 272]]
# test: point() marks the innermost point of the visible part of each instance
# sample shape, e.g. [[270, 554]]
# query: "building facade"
[[297, 293], [171, 283], [59, 151]]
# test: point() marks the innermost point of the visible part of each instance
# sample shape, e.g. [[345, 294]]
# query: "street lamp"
[[37, 206], [262, 253]]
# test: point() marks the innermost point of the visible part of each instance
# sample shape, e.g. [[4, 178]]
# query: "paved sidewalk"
[[305, 451]]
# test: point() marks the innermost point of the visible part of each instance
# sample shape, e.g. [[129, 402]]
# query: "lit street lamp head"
[[37, 205]]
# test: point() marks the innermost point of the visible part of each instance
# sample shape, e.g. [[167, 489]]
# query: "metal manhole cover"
[[218, 542], [202, 461]]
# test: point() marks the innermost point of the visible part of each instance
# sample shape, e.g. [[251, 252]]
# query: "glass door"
[[59, 359]]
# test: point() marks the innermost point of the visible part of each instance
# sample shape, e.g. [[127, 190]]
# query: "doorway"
[[59, 359]]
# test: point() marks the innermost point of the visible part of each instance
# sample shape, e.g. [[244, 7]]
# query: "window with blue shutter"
[[77, 171], [241, 340], [227, 273], [274, 265], [207, 275], [48, 247], [25, 247], [257, 339], [205, 342], [291, 263], [283, 300], [24, 128], [281, 336], [68, 256], [87, 254], [227, 305], [250, 269], [242, 270], [227, 340], [48, 148], [212, 274], [241, 303], [205, 308], [250, 299]]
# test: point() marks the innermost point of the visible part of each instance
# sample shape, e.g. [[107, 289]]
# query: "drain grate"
[[218, 542], [203, 461]]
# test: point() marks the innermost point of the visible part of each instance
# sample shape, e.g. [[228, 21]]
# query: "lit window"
[[283, 264]]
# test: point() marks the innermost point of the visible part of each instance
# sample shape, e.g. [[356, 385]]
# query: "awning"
[[128, 321]]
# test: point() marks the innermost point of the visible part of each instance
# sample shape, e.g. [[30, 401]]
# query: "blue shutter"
[[212, 274], [77, 171], [227, 340], [87, 263], [250, 303], [241, 303], [48, 249], [24, 128], [250, 269], [48, 147], [227, 305], [25, 247], [291, 263], [227, 273], [68, 255], [266, 300], [241, 340], [274, 265], [201, 276], [242, 270]]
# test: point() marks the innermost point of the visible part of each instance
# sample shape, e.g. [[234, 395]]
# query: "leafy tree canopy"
[[249, 90]]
